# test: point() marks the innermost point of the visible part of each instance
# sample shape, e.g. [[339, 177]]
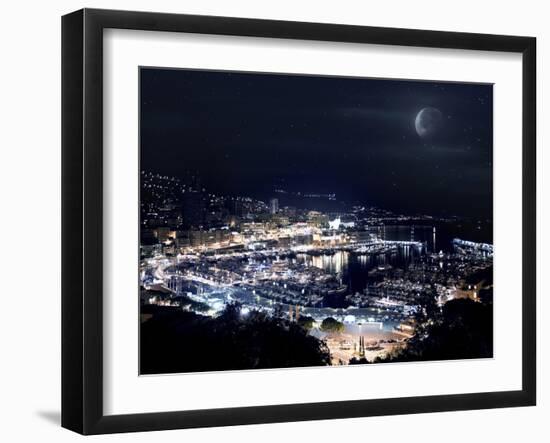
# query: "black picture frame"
[[82, 215]]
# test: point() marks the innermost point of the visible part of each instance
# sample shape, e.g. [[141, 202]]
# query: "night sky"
[[248, 134]]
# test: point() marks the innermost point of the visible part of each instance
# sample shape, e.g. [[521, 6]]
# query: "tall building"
[[236, 207], [274, 205], [193, 207]]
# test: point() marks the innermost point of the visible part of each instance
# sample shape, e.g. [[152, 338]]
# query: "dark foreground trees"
[[330, 324], [173, 340], [464, 329]]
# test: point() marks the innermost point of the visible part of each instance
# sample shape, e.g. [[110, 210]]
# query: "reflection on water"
[[438, 237], [334, 264], [424, 234], [353, 269]]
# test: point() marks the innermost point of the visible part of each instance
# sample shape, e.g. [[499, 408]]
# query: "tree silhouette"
[[464, 329], [330, 324], [173, 340]]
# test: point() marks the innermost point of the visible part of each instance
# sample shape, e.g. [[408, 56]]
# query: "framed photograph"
[[269, 221]]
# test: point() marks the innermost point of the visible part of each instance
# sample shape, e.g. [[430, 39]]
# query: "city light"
[[296, 259]]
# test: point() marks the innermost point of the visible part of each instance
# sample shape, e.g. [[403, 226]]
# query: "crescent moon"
[[427, 121]]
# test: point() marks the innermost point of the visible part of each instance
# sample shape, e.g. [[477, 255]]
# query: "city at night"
[[298, 221]]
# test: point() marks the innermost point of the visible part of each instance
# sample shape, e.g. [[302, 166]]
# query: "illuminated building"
[[334, 224], [280, 220], [317, 219], [274, 205], [162, 233]]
